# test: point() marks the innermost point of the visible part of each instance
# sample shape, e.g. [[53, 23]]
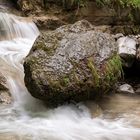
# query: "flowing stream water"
[[116, 117]]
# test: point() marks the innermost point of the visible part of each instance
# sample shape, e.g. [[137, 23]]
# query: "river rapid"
[[115, 117]]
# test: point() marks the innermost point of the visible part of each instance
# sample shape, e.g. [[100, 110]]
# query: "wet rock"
[[126, 88], [5, 96], [2, 82], [74, 62], [127, 50], [94, 108]]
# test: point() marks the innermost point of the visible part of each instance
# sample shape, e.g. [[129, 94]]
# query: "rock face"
[[28, 6], [74, 62], [121, 19]]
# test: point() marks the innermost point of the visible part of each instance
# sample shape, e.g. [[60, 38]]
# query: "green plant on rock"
[[66, 81], [113, 70], [94, 72], [130, 17], [134, 3]]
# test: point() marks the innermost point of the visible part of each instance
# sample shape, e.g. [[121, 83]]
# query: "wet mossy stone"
[[74, 62]]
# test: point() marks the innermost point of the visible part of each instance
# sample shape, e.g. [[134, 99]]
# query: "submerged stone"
[[74, 62]]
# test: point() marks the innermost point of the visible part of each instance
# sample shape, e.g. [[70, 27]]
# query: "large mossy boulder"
[[74, 62]]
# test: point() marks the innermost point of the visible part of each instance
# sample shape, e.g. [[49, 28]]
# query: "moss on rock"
[[74, 62]]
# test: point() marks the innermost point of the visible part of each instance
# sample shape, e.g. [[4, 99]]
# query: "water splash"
[[28, 118]]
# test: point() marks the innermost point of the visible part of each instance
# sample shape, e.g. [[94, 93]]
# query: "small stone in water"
[[126, 88], [138, 91]]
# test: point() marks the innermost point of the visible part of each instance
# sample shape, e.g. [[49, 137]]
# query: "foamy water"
[[28, 119]]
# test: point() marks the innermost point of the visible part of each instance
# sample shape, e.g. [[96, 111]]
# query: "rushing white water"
[[28, 119]]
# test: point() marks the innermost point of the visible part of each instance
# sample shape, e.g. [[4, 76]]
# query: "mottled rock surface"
[[74, 62]]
